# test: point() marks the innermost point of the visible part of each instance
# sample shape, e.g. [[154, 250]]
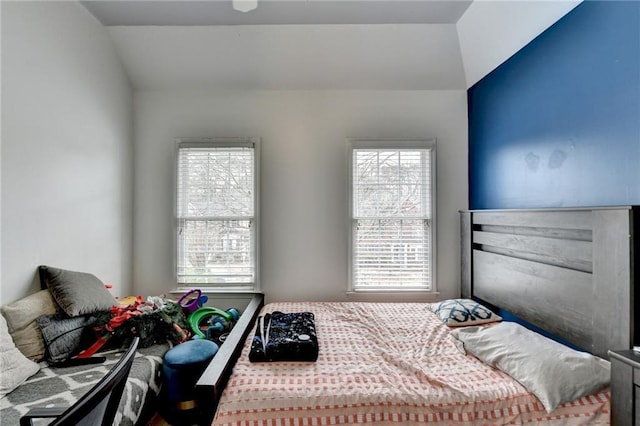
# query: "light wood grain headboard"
[[567, 271]]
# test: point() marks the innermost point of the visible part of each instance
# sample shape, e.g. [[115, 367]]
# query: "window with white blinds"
[[392, 204], [217, 199]]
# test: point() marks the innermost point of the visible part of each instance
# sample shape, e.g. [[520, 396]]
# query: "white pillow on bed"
[[463, 312], [553, 372], [15, 368]]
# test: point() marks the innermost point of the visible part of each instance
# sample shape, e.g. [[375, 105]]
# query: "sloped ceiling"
[[490, 32], [292, 57], [320, 44], [277, 12]]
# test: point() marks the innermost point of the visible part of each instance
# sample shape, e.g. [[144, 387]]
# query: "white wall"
[[491, 31], [66, 148], [304, 182]]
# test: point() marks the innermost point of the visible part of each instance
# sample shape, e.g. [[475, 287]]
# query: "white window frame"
[[392, 144], [220, 143]]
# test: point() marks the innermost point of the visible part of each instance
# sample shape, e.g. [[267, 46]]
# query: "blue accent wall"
[[558, 124]]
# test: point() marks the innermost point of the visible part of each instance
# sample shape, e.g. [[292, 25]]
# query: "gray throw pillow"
[[77, 293], [65, 337]]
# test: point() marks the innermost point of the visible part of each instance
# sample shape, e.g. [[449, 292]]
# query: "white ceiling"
[[277, 12]]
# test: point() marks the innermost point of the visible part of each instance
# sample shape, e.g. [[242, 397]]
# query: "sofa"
[[42, 334]]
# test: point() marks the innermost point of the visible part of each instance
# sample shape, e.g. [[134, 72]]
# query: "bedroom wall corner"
[[66, 148], [492, 31]]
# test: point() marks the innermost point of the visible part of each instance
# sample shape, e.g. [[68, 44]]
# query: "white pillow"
[[554, 373], [15, 368], [463, 312]]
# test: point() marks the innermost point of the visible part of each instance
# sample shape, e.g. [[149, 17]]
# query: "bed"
[[568, 272]]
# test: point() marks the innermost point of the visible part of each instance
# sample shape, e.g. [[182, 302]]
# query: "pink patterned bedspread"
[[385, 363]]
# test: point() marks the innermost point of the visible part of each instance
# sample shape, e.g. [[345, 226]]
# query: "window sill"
[[212, 289], [220, 298], [392, 296]]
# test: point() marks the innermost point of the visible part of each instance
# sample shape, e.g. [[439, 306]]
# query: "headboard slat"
[[564, 251], [531, 291], [578, 219]]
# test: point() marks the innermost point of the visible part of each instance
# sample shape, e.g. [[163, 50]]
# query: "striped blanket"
[[392, 364]]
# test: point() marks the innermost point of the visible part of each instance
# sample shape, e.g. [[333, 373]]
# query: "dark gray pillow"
[[64, 337], [77, 293]]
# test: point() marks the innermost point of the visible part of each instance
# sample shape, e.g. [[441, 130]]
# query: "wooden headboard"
[[567, 271]]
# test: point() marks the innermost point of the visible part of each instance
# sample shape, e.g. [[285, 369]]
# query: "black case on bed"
[[285, 337]]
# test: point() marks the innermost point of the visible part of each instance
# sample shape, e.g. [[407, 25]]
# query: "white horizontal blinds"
[[216, 223], [391, 218]]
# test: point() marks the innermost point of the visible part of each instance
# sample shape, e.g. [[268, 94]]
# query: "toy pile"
[[154, 320], [159, 320], [207, 322]]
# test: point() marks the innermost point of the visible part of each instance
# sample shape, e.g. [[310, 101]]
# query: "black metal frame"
[[98, 406]]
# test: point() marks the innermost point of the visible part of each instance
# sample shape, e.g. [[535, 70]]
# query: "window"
[[392, 231], [217, 221]]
